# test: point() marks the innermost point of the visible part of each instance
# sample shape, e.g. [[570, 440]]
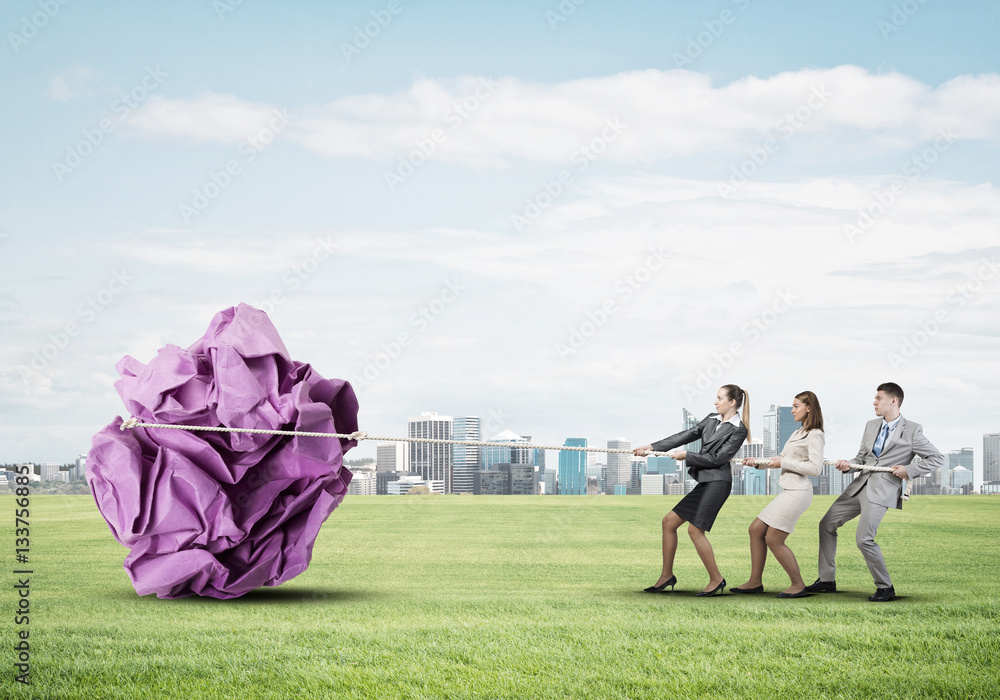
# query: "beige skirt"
[[784, 511]]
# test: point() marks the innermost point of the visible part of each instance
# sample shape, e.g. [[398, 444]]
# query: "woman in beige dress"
[[801, 458]]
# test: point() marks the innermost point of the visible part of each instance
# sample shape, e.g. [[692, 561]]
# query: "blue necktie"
[[880, 440]]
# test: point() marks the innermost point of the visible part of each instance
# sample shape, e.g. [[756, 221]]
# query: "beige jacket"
[[802, 457]]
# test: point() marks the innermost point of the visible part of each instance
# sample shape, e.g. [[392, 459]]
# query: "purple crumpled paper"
[[220, 514]]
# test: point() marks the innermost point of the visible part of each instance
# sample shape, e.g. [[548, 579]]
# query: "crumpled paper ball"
[[220, 514]]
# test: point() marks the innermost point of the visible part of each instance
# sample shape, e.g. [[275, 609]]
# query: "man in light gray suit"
[[889, 440]]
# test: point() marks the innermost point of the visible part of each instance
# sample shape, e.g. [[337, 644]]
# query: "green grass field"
[[521, 597]]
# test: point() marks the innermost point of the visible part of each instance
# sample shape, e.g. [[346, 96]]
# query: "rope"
[[362, 435]]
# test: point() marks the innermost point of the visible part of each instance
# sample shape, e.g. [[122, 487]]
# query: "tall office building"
[[754, 482], [431, 460], [661, 464], [619, 464], [778, 427], [753, 450], [465, 459], [832, 481], [539, 460], [573, 468], [599, 473], [638, 471], [548, 481], [392, 457], [991, 457], [690, 421], [79, 470], [956, 458], [508, 453], [961, 480], [49, 470]]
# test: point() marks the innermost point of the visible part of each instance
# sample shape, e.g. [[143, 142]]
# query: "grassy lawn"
[[521, 597]]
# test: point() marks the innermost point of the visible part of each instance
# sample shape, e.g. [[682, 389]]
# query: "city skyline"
[[973, 460]]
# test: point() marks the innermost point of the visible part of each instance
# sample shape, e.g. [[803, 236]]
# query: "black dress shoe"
[[756, 589], [672, 581], [883, 594], [801, 594], [720, 589], [821, 587]]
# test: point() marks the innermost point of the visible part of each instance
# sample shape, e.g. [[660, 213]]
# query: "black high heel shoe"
[[672, 581], [718, 589]]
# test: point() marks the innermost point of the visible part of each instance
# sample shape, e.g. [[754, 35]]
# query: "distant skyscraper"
[[49, 470], [638, 471], [619, 464], [832, 481], [956, 458], [431, 461], [549, 481], [961, 479], [540, 461], [661, 464], [690, 421], [392, 457], [778, 427], [79, 470], [573, 468], [991, 457], [754, 482], [464, 458], [504, 454]]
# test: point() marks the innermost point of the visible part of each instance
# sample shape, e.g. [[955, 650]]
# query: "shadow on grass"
[[837, 597], [269, 596]]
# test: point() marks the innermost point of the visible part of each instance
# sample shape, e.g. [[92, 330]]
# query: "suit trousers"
[[843, 509]]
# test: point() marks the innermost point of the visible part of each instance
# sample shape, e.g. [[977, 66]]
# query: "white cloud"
[[223, 118], [72, 83], [663, 114]]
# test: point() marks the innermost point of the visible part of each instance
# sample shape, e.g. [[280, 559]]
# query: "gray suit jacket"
[[719, 443], [885, 488]]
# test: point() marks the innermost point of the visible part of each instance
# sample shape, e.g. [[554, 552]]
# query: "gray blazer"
[[885, 488], [719, 443]]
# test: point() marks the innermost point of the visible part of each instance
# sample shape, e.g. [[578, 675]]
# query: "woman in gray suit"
[[721, 435], [801, 458]]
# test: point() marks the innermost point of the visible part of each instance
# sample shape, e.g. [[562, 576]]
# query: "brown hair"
[[742, 398], [894, 390], [814, 419]]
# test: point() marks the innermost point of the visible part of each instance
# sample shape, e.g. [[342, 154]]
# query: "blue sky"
[[898, 110]]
